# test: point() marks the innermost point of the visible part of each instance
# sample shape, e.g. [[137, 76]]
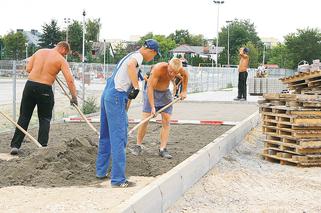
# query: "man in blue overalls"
[[121, 86]]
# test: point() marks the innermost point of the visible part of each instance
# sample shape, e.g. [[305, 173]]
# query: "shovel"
[[22, 130], [77, 108], [152, 116]]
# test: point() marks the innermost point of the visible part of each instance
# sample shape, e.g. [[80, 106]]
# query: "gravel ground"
[[244, 182]]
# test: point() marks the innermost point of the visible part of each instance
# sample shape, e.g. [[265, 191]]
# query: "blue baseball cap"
[[246, 50], [153, 45]]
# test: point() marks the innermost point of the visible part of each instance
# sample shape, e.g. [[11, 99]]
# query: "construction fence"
[[90, 81]]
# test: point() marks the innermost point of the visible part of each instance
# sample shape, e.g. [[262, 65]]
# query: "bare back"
[[44, 66]]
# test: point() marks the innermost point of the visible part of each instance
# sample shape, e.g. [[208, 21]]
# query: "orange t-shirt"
[[244, 62]]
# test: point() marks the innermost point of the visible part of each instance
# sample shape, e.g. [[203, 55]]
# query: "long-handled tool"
[[77, 108], [152, 116], [22, 130], [128, 104]]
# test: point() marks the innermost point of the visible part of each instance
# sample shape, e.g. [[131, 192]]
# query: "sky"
[[123, 18]]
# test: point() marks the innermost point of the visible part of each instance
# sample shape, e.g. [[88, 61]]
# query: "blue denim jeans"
[[113, 135]]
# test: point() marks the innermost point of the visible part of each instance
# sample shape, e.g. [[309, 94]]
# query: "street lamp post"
[[218, 15], [83, 55], [67, 22], [26, 50], [228, 43], [263, 54]]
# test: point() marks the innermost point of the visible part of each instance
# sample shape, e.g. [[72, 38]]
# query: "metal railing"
[[201, 79]]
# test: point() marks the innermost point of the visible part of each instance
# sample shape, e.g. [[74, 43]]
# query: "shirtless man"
[[43, 67], [158, 95]]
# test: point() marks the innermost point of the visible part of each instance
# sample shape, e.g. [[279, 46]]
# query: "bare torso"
[[44, 66], [163, 77]]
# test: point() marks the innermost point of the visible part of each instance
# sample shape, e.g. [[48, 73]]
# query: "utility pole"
[[217, 27], [83, 55], [67, 22], [228, 43]]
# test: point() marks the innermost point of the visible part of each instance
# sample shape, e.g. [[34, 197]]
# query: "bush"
[[229, 85], [90, 106]]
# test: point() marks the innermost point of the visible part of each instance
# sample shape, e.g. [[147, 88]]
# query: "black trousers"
[[242, 85], [35, 94]]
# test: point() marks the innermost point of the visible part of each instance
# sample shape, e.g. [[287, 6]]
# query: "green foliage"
[[229, 85], [240, 33], [90, 106], [14, 45], [279, 55], [253, 54], [166, 44], [184, 37], [120, 52], [93, 29], [75, 36], [51, 35], [1, 47], [305, 44]]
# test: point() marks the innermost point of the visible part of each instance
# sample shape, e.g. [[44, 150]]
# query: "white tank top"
[[122, 80]]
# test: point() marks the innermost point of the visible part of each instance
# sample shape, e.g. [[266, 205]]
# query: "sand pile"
[[70, 157], [70, 163]]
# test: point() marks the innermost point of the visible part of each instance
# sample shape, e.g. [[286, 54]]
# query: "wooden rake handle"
[[22, 130], [152, 116], [77, 108]]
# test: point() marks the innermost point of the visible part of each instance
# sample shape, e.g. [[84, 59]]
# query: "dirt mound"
[[70, 163], [70, 157]]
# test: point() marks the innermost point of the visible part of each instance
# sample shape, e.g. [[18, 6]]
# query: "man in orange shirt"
[[43, 67], [243, 65]]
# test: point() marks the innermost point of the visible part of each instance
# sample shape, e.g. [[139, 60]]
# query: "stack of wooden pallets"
[[292, 122]]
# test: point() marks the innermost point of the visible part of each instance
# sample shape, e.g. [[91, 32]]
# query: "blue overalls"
[[113, 131]]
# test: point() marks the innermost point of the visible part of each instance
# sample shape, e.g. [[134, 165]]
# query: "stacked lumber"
[[304, 82], [292, 123]]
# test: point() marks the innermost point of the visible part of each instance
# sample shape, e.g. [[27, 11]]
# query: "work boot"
[[165, 154], [137, 150], [14, 151], [126, 184]]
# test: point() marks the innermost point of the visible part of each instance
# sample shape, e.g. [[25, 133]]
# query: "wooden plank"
[[301, 76], [288, 158], [291, 148]]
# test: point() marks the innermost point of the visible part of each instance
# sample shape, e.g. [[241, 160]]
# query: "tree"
[[197, 40], [51, 35], [75, 36], [180, 37], [305, 44], [165, 43], [93, 29], [253, 54], [1, 47], [14, 45], [240, 33], [279, 55]]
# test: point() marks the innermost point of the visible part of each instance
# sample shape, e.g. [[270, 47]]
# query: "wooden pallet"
[[289, 110], [302, 143], [293, 133], [291, 148], [302, 76], [288, 125], [285, 158], [297, 120]]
